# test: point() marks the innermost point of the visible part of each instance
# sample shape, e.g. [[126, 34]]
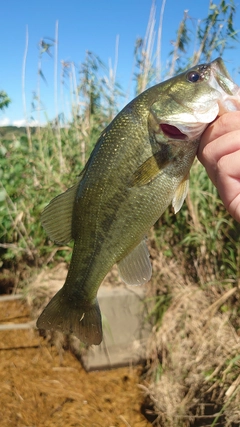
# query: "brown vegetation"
[[194, 354]]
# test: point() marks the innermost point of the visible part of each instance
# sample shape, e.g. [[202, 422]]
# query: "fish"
[[139, 166]]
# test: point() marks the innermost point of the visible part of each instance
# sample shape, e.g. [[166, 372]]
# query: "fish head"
[[192, 100]]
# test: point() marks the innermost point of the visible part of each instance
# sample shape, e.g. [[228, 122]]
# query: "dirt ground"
[[41, 388]]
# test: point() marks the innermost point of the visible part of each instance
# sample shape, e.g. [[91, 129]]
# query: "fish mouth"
[[229, 99], [222, 80], [186, 123], [183, 132], [172, 131]]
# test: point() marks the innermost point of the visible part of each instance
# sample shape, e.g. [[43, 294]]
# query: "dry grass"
[[194, 375]]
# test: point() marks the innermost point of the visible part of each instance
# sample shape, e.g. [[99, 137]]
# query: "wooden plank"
[[15, 326], [11, 297]]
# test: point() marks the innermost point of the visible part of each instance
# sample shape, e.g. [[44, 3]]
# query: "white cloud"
[[22, 122], [4, 122], [19, 123]]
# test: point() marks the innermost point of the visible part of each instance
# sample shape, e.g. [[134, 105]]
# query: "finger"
[[212, 152], [222, 125], [228, 182]]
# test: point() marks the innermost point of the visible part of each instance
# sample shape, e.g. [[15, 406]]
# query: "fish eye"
[[193, 76]]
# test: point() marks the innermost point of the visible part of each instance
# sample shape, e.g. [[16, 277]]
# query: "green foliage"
[[213, 35], [4, 100], [202, 233], [196, 41], [31, 169], [24, 188], [160, 304]]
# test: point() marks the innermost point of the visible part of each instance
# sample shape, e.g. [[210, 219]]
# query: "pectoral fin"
[[57, 216], [148, 170], [180, 194], [136, 268]]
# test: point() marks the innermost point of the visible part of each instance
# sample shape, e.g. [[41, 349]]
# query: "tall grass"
[[42, 162], [202, 235]]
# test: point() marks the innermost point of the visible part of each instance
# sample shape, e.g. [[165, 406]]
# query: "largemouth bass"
[[139, 166]]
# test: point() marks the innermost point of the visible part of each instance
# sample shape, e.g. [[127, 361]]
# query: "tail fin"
[[61, 314]]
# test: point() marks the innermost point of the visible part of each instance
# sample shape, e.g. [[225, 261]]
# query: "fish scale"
[[139, 166]]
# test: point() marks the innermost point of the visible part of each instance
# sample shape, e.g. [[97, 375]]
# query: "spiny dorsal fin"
[[136, 268], [180, 194], [57, 216]]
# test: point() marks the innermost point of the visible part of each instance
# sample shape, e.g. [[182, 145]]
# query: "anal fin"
[[136, 268]]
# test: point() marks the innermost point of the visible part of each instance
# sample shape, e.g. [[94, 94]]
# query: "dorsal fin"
[[136, 268], [57, 216], [180, 194]]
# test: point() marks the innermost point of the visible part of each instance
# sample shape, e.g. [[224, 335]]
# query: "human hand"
[[219, 152]]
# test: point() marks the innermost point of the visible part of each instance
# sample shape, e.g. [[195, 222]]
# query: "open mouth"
[[172, 132]]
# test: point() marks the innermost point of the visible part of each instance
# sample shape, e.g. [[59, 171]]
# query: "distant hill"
[[10, 132]]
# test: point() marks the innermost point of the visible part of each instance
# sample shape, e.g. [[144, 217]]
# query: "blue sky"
[[83, 25]]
